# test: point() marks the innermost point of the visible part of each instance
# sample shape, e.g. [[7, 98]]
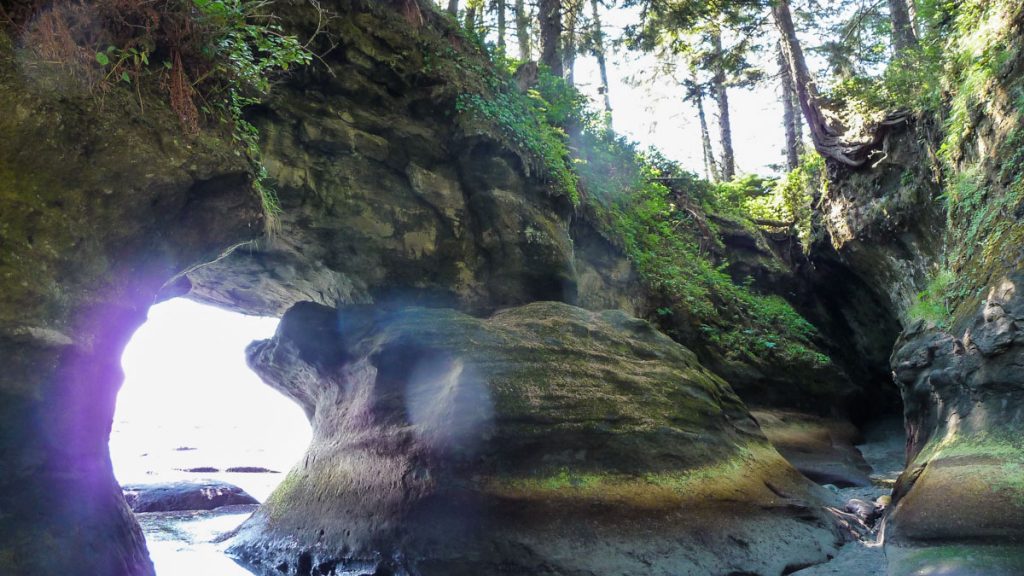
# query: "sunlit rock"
[[544, 439]]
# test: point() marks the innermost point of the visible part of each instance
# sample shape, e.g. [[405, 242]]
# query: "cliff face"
[[464, 393], [100, 207], [944, 251], [387, 199]]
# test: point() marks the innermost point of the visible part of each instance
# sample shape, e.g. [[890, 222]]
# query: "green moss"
[[994, 459], [933, 303], [292, 484], [487, 100], [736, 476], [956, 559], [656, 213]]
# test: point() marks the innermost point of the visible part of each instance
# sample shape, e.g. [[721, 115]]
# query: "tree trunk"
[[501, 7], [523, 30], [470, 22], [572, 13], [453, 7], [721, 96], [790, 119], [550, 17], [903, 37], [602, 65], [826, 139], [915, 25], [710, 166]]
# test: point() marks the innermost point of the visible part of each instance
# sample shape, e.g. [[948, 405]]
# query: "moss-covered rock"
[[545, 439], [386, 193], [964, 401], [101, 206]]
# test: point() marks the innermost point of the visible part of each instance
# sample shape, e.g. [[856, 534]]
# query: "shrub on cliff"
[[211, 58]]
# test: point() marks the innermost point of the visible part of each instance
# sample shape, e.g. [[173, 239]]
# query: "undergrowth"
[[983, 190], [211, 58], [782, 203], [656, 213], [933, 303], [646, 205], [524, 106]]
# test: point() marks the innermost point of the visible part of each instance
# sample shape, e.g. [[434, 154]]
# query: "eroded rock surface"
[[964, 396], [820, 448], [385, 196], [89, 235], [545, 439]]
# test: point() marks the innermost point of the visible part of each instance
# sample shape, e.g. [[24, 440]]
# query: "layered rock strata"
[[545, 439]]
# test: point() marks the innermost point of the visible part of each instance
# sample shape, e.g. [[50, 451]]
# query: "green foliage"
[[976, 53], [245, 51], [933, 304], [532, 123], [652, 210], [790, 199], [123, 64], [732, 197], [221, 54]]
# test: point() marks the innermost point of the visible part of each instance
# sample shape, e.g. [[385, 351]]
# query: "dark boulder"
[[182, 496], [963, 393]]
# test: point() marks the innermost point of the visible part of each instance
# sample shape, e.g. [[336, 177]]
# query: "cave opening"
[[192, 421]]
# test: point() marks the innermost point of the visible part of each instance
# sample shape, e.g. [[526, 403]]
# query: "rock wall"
[[385, 196], [100, 207], [964, 405], [855, 324], [885, 222], [958, 504], [545, 439]]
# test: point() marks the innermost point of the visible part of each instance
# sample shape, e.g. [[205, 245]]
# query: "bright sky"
[[658, 117], [187, 386]]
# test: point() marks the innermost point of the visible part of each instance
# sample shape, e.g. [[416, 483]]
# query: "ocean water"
[[189, 401]]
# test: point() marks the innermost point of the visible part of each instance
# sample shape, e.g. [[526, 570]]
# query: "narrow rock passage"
[[883, 449]]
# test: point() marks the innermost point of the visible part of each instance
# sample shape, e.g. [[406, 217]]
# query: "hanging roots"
[[181, 97], [58, 36]]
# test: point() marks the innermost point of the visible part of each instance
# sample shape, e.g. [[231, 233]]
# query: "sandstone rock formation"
[[964, 485], [89, 236], [545, 439]]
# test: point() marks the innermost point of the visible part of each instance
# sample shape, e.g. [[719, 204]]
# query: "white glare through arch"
[[190, 401]]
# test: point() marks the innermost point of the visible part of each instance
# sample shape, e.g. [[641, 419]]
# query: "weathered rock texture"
[[820, 448], [958, 506], [855, 328], [964, 395], [545, 439], [385, 196], [99, 208], [885, 222], [390, 196]]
